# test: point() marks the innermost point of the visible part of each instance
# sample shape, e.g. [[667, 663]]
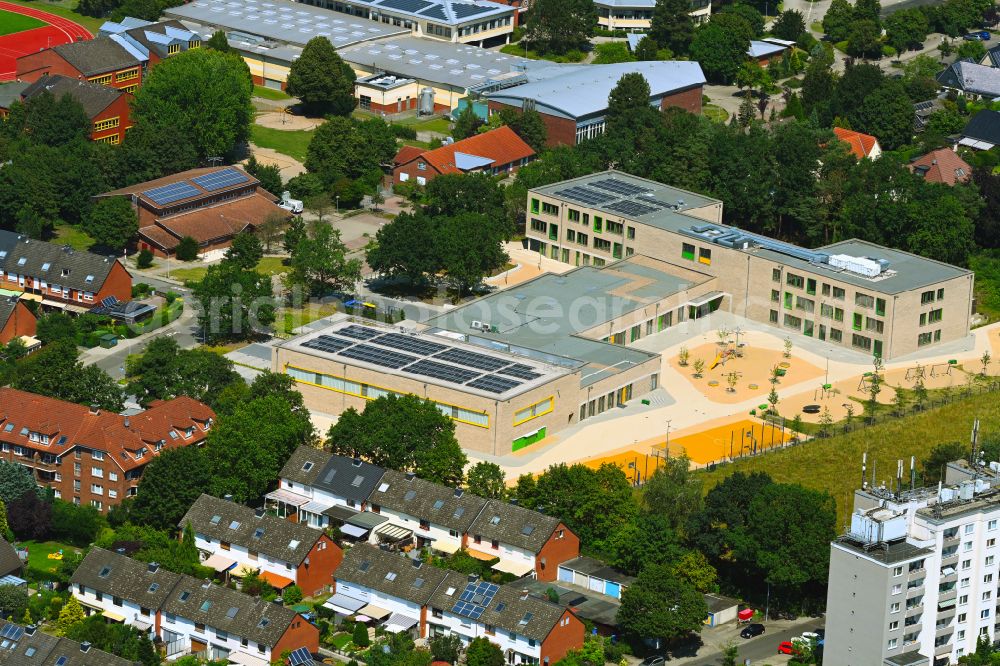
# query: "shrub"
[[145, 259], [360, 636], [403, 131], [140, 289], [292, 595], [171, 297], [187, 249], [888, 51]]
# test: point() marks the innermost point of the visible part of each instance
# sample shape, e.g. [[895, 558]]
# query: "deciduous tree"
[[672, 25], [320, 264], [487, 480], [170, 484], [55, 372], [559, 26], [789, 25], [112, 222], [322, 80], [661, 606], [165, 371]]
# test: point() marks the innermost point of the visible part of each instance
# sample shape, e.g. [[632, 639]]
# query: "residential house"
[[408, 595], [59, 276], [211, 205], [768, 50], [982, 132], [499, 151], [922, 111], [239, 539], [189, 615], [16, 320], [340, 489], [525, 541], [862, 145], [23, 646], [89, 456], [992, 57], [971, 79], [942, 166], [11, 566], [106, 107], [101, 60]]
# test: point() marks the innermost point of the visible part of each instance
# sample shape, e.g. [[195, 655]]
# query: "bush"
[[360, 636], [292, 595], [187, 249], [140, 290], [403, 131], [603, 32], [888, 51], [171, 297], [145, 259]]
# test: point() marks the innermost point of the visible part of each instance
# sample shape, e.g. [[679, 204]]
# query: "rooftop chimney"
[[524, 595], [278, 600], [120, 550], [227, 497], [127, 422], [409, 476], [85, 646], [94, 409], [152, 567], [473, 578]]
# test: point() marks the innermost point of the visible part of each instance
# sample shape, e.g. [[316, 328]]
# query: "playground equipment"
[[731, 351], [912, 374], [943, 368], [866, 380], [824, 391]]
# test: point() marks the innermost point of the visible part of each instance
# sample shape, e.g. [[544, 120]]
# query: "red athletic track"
[[58, 31]]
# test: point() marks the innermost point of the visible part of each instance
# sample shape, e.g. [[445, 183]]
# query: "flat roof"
[[582, 90], [427, 357], [648, 202], [448, 12], [457, 65], [891, 552], [290, 22], [547, 313]]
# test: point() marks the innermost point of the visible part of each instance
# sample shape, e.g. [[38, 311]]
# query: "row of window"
[[484, 26], [928, 337], [652, 326], [534, 411], [437, 30], [613, 399], [861, 300]]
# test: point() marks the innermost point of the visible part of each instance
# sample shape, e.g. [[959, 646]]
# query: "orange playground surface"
[[712, 445]]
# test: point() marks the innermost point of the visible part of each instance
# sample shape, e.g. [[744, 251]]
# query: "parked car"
[[810, 636], [752, 630], [977, 35], [654, 660], [787, 647], [984, 35]]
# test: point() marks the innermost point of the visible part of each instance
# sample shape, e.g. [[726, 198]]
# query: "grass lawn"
[[11, 23], [75, 238], [518, 50], [986, 264], [65, 9], [293, 143], [834, 464], [716, 113], [291, 319], [38, 555], [340, 641], [267, 266], [432, 124], [816, 26], [270, 93]]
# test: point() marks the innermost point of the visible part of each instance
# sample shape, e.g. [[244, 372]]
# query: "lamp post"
[[336, 199]]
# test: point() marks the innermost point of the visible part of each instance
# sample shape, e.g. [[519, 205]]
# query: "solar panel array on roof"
[[409, 343], [475, 599], [217, 180], [328, 343], [472, 359], [436, 12], [376, 356], [300, 657], [448, 373], [494, 384], [464, 11], [359, 332], [406, 5], [12, 632], [619, 186], [168, 194], [628, 207], [520, 371], [585, 195]]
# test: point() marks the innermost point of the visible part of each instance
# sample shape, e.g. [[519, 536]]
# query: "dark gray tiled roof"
[[304, 465], [346, 477], [390, 573], [441, 505], [9, 561], [42, 649], [11, 92], [275, 537], [93, 97], [598, 569], [514, 525], [77, 265], [96, 56], [984, 126], [126, 578], [240, 614], [510, 609]]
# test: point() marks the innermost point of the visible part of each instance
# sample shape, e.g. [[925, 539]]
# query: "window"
[[927, 297], [894, 625], [549, 209], [103, 79], [839, 293], [775, 295], [934, 316], [573, 215], [534, 411], [826, 311], [776, 274], [880, 306], [534, 206], [858, 320], [898, 571], [892, 643], [861, 342], [896, 589], [874, 325], [112, 139], [970, 528], [804, 304], [705, 256], [173, 48], [631, 233], [773, 316], [792, 322], [598, 224], [836, 335], [97, 472], [960, 619], [96, 489], [940, 293], [985, 613], [811, 286], [106, 124], [127, 74], [894, 607], [924, 339], [687, 251], [793, 280]]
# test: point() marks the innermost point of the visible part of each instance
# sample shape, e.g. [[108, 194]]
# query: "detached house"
[[188, 615], [89, 456], [239, 539], [861, 145]]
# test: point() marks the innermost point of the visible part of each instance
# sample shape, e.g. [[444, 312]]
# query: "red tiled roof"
[[222, 220], [406, 154], [118, 436], [502, 145], [942, 166], [861, 144]]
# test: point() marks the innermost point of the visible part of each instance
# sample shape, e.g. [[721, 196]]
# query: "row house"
[[88, 456], [429, 602], [59, 276], [427, 514], [29, 645], [235, 538], [187, 615], [16, 320]]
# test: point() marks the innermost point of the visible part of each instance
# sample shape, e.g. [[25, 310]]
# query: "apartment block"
[[400, 509], [427, 602], [914, 580], [188, 615], [87, 455], [237, 539], [852, 293]]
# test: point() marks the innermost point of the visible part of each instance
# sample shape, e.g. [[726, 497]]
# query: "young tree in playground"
[[825, 421], [683, 355], [772, 399], [732, 378], [699, 366], [788, 347], [985, 360]]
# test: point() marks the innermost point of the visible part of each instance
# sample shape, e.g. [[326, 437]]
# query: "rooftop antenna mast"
[[899, 478], [913, 472], [975, 449], [864, 469]]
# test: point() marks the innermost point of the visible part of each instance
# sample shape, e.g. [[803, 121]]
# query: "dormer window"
[[390, 576]]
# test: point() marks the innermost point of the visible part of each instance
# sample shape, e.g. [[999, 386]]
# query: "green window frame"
[[553, 232], [807, 328], [616, 252], [880, 307], [858, 321], [687, 251], [598, 224], [934, 316], [631, 233], [940, 293], [877, 348], [534, 206], [811, 286], [635, 333], [573, 215], [788, 300]]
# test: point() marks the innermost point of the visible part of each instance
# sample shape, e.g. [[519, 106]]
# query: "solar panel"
[[328, 343], [585, 195], [300, 656], [376, 356], [520, 371], [464, 11], [435, 11], [631, 208], [619, 186], [409, 343], [12, 631], [168, 194], [412, 6], [220, 179], [493, 384], [441, 371], [358, 332], [472, 359]]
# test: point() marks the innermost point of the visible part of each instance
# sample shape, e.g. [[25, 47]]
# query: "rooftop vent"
[[153, 567], [85, 646]]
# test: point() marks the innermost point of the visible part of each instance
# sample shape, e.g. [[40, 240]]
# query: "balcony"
[[944, 631], [915, 609], [948, 596], [916, 591]]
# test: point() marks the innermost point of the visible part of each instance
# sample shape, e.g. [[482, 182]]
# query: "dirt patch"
[[287, 121]]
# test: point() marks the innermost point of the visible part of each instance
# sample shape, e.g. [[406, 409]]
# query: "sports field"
[[11, 23]]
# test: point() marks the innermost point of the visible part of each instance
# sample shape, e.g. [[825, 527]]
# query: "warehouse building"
[[852, 293]]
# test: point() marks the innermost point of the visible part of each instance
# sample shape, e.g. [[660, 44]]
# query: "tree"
[[170, 484], [863, 40], [71, 614], [15, 480], [672, 25], [203, 95], [78, 525], [720, 49], [145, 259], [530, 126], [4, 523], [470, 247], [750, 14], [55, 372], [112, 222], [715, 530], [838, 20], [322, 80], [559, 26], [673, 491], [487, 480], [218, 42], [467, 123], [269, 175], [906, 28], [971, 49], [932, 467], [403, 433], [647, 49], [246, 251], [121, 640], [294, 233], [660, 606], [406, 247], [320, 265], [789, 25], [187, 249], [54, 326], [446, 647], [482, 652], [164, 371], [291, 595], [360, 635], [695, 568], [13, 600], [347, 155], [630, 94], [235, 303], [452, 194], [29, 516], [646, 540], [868, 10]]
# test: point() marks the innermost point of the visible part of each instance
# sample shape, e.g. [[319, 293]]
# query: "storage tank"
[[426, 101]]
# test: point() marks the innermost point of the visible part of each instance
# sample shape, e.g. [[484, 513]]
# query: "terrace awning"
[[246, 659], [446, 547], [287, 497], [393, 533], [514, 567], [374, 612], [243, 569], [114, 617], [340, 512], [353, 530], [276, 581], [341, 603], [142, 625], [398, 622], [480, 555], [705, 298], [219, 562], [315, 506]]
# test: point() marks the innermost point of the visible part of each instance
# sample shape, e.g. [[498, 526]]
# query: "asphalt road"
[[755, 649]]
